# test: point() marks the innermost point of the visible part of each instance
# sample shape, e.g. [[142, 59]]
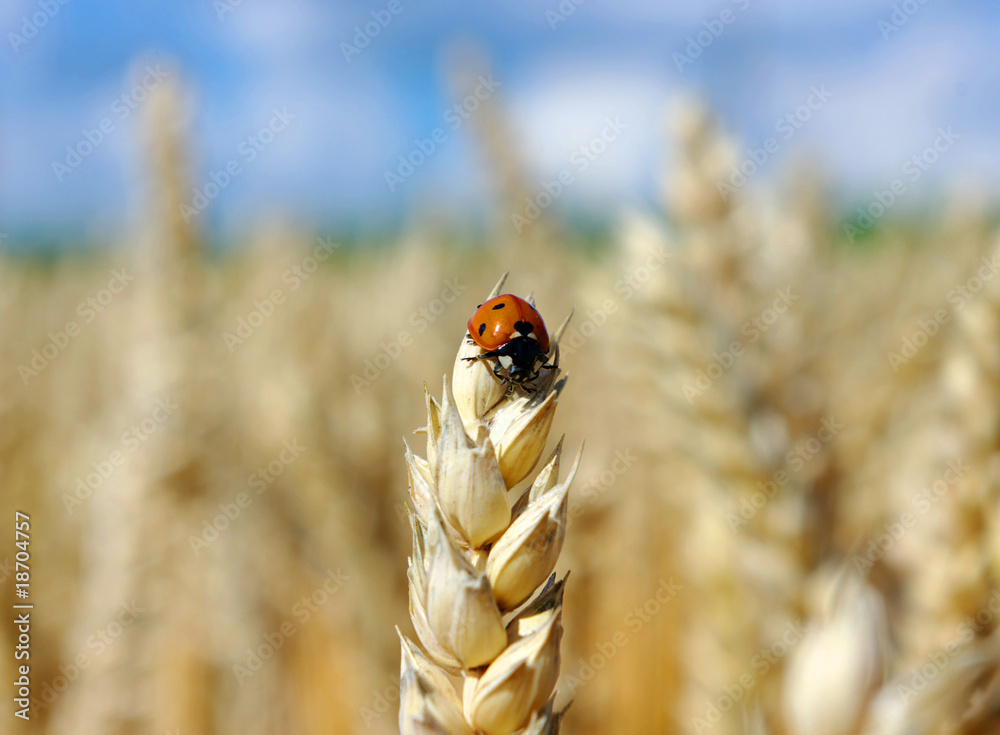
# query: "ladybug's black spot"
[[499, 306], [482, 328], [524, 327]]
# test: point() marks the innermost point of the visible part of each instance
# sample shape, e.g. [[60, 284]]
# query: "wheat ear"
[[479, 561]]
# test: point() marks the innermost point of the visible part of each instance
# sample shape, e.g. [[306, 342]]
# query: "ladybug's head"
[[520, 359]]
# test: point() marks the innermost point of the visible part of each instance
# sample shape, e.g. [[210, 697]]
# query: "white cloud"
[[887, 104], [278, 31], [568, 102]]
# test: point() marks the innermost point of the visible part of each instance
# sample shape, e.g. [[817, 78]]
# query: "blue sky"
[[352, 119]]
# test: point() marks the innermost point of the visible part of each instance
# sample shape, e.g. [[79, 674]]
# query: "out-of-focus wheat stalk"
[[478, 561], [496, 138], [125, 553]]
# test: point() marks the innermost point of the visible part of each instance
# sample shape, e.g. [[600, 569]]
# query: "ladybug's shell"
[[496, 322]]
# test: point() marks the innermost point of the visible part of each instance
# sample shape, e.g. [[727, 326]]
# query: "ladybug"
[[511, 331]]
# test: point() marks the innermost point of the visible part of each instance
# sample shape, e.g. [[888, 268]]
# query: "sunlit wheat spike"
[[835, 670], [557, 335], [475, 558], [498, 289]]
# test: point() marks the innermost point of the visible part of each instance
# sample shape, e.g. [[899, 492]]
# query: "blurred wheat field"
[[785, 520]]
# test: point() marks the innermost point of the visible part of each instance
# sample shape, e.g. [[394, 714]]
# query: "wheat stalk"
[[478, 561]]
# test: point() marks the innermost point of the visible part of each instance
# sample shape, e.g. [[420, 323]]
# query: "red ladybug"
[[512, 332]]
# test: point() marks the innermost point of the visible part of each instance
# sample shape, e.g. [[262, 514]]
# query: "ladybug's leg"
[[484, 356]]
